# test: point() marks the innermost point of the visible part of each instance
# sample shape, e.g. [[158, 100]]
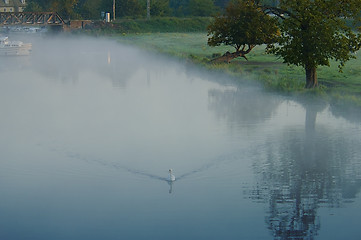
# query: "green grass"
[[267, 69], [193, 46], [188, 44]]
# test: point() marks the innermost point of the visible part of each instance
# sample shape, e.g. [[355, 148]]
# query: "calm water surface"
[[89, 129]]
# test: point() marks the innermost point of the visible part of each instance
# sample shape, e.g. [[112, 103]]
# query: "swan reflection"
[[170, 183]]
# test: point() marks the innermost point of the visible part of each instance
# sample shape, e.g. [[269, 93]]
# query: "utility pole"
[[113, 10], [148, 9]]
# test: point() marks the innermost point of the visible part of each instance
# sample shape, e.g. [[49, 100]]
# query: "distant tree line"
[[91, 9]]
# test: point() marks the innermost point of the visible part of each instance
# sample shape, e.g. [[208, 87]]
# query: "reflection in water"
[[242, 105], [109, 58], [107, 175], [170, 183], [103, 60], [346, 111], [302, 172], [299, 170]]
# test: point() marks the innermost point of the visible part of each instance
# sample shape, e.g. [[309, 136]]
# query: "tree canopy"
[[314, 32], [201, 7], [91, 9], [311, 32], [243, 26], [160, 8]]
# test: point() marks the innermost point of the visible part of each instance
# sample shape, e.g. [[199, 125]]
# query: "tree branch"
[[228, 57], [278, 12]]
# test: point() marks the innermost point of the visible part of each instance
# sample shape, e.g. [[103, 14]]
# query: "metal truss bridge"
[[31, 18]]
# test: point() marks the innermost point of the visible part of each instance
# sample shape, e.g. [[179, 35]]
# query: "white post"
[[113, 10], [148, 9]]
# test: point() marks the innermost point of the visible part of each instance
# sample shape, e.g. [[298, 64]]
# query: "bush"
[[163, 24]]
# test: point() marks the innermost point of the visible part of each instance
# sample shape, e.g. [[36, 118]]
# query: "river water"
[[90, 128]]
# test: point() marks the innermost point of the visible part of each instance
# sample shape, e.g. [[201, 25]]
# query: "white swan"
[[171, 177]]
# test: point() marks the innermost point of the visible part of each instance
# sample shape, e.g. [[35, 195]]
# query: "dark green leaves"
[[243, 23], [315, 31]]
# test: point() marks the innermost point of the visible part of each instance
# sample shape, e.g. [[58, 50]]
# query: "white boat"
[[14, 48]]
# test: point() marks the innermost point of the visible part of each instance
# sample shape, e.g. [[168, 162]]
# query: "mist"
[[90, 127]]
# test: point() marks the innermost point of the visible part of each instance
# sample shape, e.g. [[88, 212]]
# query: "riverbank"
[[185, 39], [337, 87]]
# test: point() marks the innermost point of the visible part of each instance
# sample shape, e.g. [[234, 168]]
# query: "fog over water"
[[90, 128]]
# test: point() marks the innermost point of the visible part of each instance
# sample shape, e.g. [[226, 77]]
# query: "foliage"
[[33, 7], [221, 3], [271, 3], [243, 24], [201, 7], [157, 24], [91, 9], [160, 8], [42, 4], [180, 7], [313, 32], [126, 8], [283, 84], [65, 8]]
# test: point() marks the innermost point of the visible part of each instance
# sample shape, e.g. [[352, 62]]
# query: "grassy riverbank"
[[338, 87], [187, 39]]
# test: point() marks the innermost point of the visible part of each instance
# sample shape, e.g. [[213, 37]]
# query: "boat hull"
[[22, 50]]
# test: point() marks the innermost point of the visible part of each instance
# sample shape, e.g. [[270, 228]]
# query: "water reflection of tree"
[[302, 171], [242, 105], [347, 111], [73, 57]]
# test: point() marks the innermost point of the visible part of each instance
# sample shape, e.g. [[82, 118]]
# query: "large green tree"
[[33, 7], [160, 8], [179, 7], [201, 7], [66, 8], [221, 3], [126, 8], [315, 31], [244, 25], [89, 9]]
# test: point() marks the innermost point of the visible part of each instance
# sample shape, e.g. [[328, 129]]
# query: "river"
[[90, 128]]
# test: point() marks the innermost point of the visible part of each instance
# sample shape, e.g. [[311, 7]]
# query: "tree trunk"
[[311, 116], [311, 77], [227, 57]]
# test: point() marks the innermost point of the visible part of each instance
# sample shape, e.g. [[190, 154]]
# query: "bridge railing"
[[28, 18]]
